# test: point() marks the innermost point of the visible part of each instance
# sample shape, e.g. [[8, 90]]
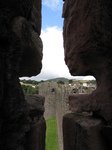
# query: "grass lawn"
[[51, 134]]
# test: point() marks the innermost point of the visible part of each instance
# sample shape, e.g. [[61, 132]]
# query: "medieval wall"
[[87, 36], [87, 33], [22, 125], [57, 95], [54, 92], [56, 101], [55, 104]]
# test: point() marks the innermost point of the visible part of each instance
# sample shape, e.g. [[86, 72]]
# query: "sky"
[[53, 51]]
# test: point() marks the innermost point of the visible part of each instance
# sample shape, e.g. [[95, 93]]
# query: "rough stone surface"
[[87, 36], [83, 133], [56, 95], [107, 134], [28, 31], [87, 42], [20, 54], [36, 105], [55, 104], [56, 101], [35, 137]]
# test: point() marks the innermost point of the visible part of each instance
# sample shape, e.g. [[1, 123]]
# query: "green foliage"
[[70, 81], [29, 81], [92, 81], [41, 81], [51, 134], [80, 81], [29, 89], [60, 82]]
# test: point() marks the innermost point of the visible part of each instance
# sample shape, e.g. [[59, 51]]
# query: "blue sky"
[[52, 16], [51, 35]]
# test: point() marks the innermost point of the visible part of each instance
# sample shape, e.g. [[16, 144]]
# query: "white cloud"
[[53, 53], [52, 4], [53, 56]]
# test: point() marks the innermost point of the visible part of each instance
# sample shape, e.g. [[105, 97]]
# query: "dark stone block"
[[83, 133], [20, 55]]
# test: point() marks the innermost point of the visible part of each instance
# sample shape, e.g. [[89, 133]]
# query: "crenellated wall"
[[56, 101], [87, 34]]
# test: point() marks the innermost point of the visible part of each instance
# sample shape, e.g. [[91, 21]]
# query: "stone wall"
[[87, 33], [21, 118], [56, 97], [56, 101], [54, 92], [87, 36]]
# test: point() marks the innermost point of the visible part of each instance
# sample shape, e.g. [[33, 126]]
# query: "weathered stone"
[[87, 43], [35, 138], [82, 133], [107, 134], [45, 89], [56, 99], [28, 32], [35, 105], [19, 45]]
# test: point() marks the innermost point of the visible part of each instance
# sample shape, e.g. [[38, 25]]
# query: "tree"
[[70, 81], [29, 89], [80, 81], [60, 82]]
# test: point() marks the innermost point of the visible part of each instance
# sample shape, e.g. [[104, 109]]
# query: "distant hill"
[[58, 79]]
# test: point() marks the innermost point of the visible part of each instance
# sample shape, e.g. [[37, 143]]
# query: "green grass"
[[51, 134]]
